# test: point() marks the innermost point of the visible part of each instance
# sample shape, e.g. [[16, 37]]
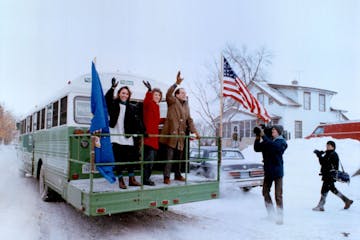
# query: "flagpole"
[[221, 96]]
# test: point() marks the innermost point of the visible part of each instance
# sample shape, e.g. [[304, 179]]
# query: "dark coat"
[[178, 121], [151, 117], [132, 121], [272, 151], [328, 162]]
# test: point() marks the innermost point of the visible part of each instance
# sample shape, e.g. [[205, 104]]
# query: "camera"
[[266, 129]]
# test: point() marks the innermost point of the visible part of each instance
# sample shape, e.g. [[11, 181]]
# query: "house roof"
[[275, 94], [298, 87]]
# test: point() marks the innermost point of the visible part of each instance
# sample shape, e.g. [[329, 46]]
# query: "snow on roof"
[[275, 94]]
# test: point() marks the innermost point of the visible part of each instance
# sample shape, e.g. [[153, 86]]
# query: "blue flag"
[[100, 122]]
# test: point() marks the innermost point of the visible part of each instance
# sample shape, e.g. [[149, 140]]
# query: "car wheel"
[[246, 189]]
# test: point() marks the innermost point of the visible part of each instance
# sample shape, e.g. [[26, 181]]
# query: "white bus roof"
[[82, 85]]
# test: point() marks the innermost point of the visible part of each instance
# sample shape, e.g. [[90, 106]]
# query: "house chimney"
[[294, 82]]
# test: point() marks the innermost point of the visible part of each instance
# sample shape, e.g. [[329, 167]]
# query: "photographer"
[[329, 162], [272, 148]]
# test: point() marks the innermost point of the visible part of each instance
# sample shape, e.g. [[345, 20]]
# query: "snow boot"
[[133, 182], [122, 183], [270, 211], [279, 216], [347, 201], [320, 206]]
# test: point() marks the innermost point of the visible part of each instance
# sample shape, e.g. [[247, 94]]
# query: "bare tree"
[[7, 126], [248, 66]]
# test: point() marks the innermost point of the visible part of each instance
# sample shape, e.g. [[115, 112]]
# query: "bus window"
[[55, 114], [82, 110], [34, 122], [42, 125], [23, 126], [63, 110], [49, 116], [28, 124], [38, 120]]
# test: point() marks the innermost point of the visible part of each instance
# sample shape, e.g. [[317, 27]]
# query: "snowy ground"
[[236, 215]]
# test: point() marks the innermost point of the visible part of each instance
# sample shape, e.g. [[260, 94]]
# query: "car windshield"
[[228, 154], [232, 154]]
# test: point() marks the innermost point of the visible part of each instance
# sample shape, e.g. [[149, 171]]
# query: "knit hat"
[[331, 143], [278, 128]]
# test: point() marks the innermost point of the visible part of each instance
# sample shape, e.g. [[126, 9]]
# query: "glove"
[[148, 85], [178, 78], [114, 83], [318, 153]]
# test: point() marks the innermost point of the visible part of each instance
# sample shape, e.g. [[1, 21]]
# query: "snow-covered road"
[[236, 215]]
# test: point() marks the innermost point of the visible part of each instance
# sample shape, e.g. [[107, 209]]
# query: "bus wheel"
[[43, 188]]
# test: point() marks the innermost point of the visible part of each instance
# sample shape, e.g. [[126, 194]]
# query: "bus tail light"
[[101, 210], [176, 201], [165, 202], [153, 204], [75, 176], [214, 195]]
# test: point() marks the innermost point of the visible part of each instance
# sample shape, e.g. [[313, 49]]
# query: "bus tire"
[[43, 188]]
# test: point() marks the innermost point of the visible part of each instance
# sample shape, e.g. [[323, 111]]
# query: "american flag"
[[235, 88]]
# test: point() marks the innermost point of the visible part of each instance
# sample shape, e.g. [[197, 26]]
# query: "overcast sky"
[[43, 44]]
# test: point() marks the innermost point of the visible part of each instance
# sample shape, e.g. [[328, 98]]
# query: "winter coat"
[[328, 162], [132, 122], [151, 117], [272, 151], [177, 122]]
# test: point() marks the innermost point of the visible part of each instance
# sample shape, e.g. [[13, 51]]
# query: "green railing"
[[86, 155]]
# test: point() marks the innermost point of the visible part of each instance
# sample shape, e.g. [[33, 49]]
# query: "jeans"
[[278, 192]]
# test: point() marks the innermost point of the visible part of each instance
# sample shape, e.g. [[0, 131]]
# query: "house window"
[[321, 102], [298, 129], [307, 101], [260, 97]]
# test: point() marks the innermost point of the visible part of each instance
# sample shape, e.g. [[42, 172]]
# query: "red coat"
[[151, 113]]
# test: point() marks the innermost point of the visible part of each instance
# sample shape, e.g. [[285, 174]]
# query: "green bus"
[[55, 147]]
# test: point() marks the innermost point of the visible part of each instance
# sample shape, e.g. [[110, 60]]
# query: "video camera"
[[266, 129]]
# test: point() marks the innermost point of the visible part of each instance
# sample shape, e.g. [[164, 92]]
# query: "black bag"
[[340, 176]]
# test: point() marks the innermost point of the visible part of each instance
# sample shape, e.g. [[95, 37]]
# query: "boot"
[[133, 182], [167, 180], [279, 216], [320, 206], [270, 211], [347, 201], [122, 183]]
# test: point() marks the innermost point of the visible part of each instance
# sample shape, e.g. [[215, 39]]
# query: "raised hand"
[[114, 83], [178, 78], [147, 84]]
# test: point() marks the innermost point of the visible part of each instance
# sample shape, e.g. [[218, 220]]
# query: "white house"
[[298, 108]]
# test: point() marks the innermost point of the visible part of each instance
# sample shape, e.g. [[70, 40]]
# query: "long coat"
[[151, 117], [272, 151], [178, 121]]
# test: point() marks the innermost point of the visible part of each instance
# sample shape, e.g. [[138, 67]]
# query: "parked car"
[[344, 129], [234, 167]]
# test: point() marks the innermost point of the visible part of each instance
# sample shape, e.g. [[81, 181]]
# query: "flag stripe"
[[235, 88]]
